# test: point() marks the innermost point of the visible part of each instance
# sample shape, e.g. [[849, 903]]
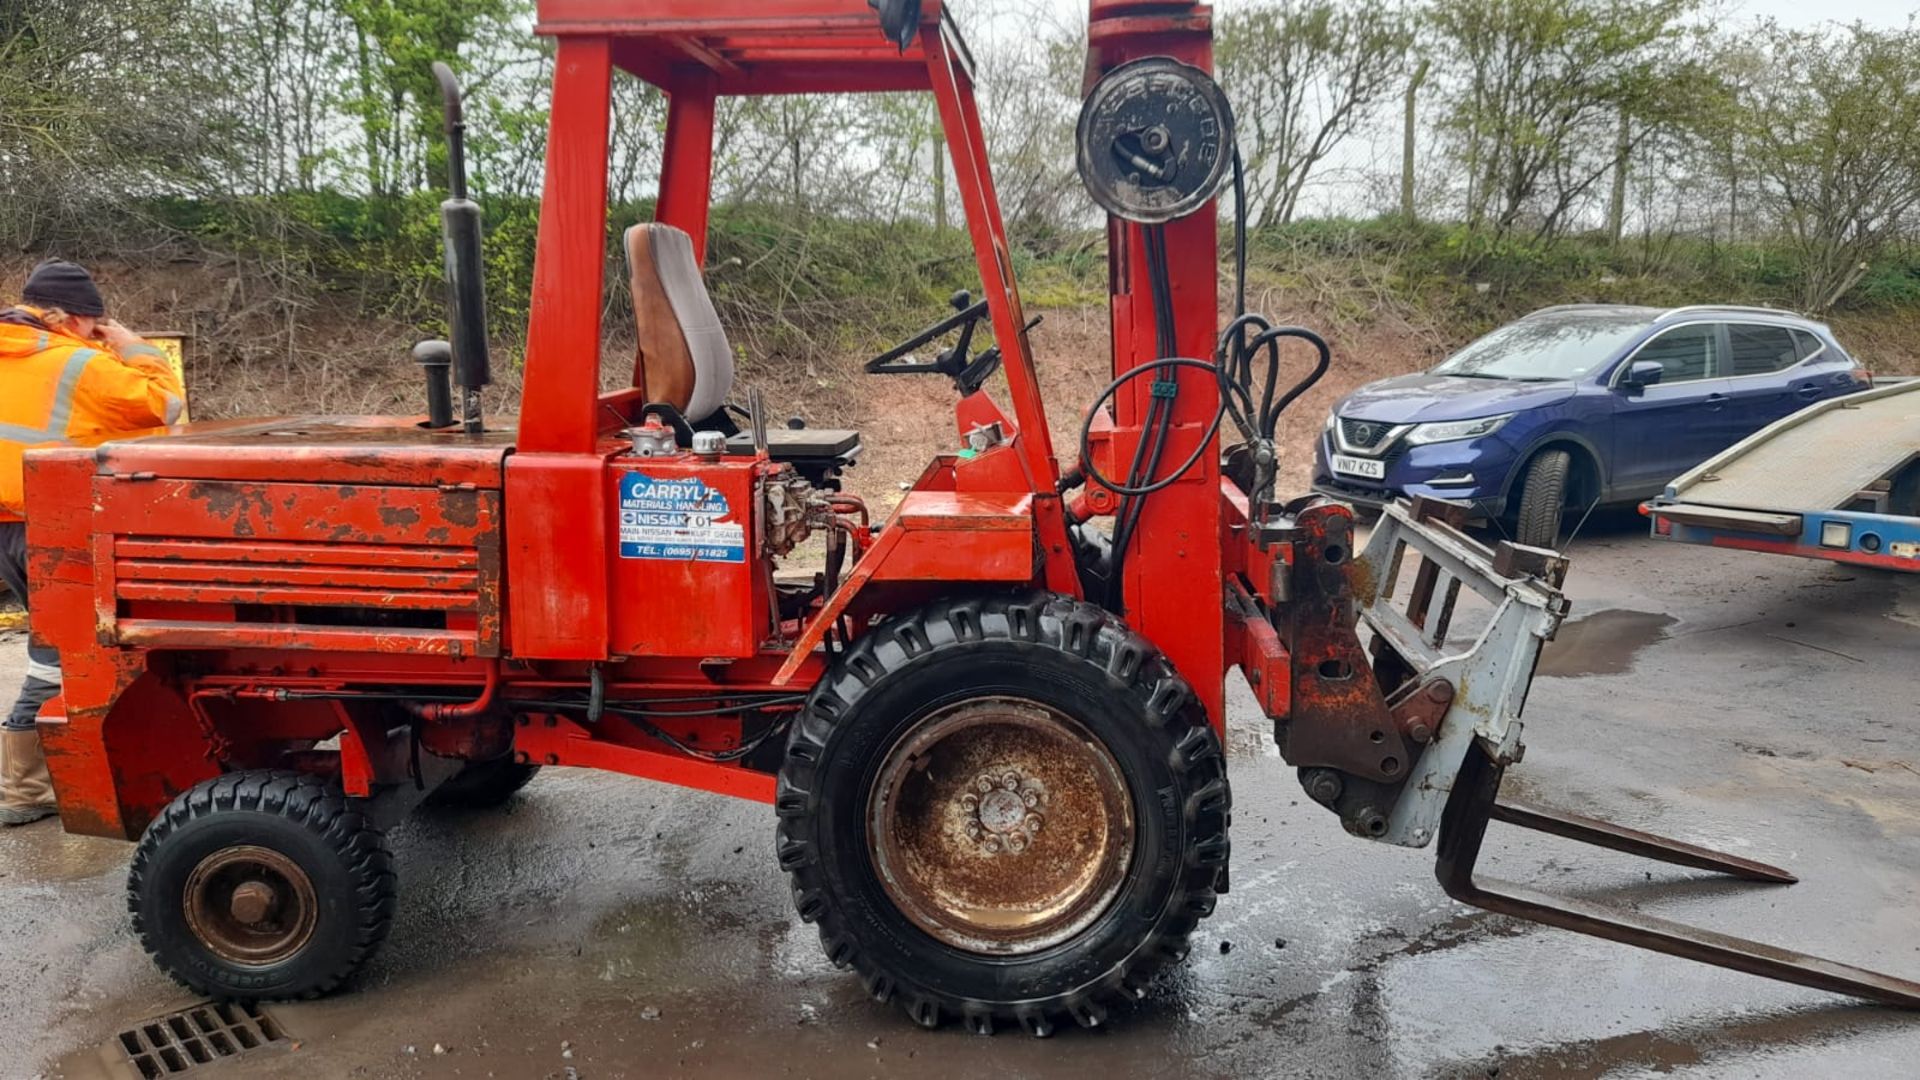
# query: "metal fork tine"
[[1472, 804], [1693, 943], [1634, 842]]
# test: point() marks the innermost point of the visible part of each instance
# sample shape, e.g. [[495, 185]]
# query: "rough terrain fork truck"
[[989, 725]]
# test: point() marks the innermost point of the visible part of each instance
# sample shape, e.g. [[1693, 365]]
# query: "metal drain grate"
[[172, 1044]]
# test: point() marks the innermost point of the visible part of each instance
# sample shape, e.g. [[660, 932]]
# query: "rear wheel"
[[261, 885], [1543, 499], [1004, 810]]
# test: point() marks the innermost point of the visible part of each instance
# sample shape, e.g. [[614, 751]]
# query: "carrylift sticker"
[[680, 519]]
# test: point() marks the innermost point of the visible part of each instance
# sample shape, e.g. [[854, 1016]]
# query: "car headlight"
[[1332, 419], [1451, 430]]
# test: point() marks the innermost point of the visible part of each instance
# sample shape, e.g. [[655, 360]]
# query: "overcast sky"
[[1801, 13]]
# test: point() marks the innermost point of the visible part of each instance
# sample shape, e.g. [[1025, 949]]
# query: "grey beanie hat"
[[61, 284]]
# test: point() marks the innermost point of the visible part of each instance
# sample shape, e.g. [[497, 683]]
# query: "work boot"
[[26, 788]]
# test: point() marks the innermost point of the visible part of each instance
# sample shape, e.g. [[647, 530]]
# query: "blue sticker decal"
[[681, 519]]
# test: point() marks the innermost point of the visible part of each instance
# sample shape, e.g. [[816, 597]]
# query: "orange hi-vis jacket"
[[55, 387]]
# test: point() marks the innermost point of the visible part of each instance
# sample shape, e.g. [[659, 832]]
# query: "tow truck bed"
[[1839, 480]]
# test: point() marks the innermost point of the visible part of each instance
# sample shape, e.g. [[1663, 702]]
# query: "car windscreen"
[[1545, 348]]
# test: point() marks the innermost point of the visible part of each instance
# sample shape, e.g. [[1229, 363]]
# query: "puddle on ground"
[[64, 857], [1603, 643], [104, 1062], [1745, 1043]]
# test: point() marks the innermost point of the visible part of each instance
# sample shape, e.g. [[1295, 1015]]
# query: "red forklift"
[[989, 725]]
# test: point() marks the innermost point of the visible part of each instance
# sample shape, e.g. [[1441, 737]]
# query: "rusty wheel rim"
[[1000, 825], [251, 905]]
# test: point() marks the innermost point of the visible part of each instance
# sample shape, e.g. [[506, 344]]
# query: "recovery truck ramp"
[[1839, 480]]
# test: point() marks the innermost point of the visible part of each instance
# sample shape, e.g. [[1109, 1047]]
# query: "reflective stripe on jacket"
[[55, 387]]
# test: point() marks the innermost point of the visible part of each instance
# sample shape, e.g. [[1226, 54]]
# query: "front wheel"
[[1543, 499], [261, 885], [1004, 810]]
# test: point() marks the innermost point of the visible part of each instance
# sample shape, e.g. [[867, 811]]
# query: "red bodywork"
[[223, 595]]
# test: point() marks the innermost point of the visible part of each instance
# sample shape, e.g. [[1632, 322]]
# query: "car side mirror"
[[1642, 373]]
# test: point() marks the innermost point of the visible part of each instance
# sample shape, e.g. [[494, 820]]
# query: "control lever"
[[757, 420]]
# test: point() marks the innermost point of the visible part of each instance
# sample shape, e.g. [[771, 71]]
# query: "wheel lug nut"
[[251, 901]]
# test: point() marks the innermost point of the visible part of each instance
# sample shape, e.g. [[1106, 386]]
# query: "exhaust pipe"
[[435, 358], [466, 285]]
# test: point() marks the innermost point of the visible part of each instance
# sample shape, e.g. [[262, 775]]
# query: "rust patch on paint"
[[399, 517], [461, 508]]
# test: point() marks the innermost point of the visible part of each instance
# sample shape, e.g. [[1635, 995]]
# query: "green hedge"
[[809, 284]]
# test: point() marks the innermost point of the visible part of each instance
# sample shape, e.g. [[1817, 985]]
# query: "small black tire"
[[1064, 658], [332, 865], [482, 785], [1543, 499]]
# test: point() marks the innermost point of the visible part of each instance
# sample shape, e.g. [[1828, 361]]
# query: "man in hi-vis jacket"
[[66, 371]]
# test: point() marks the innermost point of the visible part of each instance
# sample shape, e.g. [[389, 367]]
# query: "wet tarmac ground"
[[604, 927]]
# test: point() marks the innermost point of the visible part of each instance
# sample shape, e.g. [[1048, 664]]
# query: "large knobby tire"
[[1004, 810], [1543, 499], [264, 884], [483, 785]]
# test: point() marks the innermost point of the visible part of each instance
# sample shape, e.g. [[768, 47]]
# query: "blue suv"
[[1577, 406]]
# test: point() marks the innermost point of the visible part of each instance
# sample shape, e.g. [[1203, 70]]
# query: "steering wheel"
[[969, 371]]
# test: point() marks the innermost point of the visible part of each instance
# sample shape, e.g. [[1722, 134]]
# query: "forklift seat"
[[684, 354]]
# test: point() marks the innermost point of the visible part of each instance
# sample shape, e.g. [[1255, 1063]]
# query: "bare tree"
[[282, 83], [1833, 141], [636, 138], [1303, 76], [1029, 85], [98, 102], [1534, 92]]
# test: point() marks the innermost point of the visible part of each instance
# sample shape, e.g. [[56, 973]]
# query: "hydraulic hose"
[[1159, 419], [1255, 410]]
